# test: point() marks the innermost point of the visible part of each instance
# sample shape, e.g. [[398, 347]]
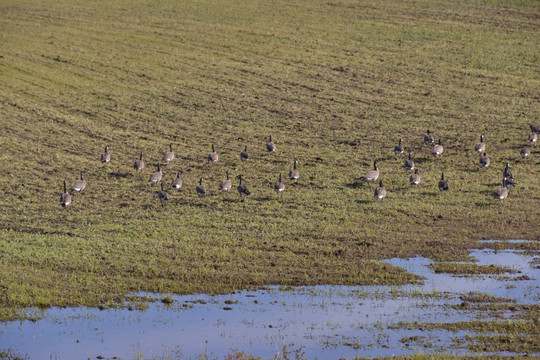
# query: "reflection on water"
[[320, 321]]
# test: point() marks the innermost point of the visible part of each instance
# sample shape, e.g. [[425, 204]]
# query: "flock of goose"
[[294, 174]]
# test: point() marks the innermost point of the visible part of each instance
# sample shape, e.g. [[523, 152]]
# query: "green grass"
[[336, 83]]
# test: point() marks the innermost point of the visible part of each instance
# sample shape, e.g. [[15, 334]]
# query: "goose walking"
[[399, 148], [380, 192], [533, 137], [177, 182], [270, 146], [279, 187], [226, 184], [414, 179], [156, 177], [162, 195], [139, 163], [428, 138], [437, 149], [106, 156], [79, 185], [525, 153], [443, 184], [242, 189], [481, 146], [502, 193], [213, 156], [371, 175], [507, 173], [244, 155], [409, 163], [169, 155], [294, 174], [65, 198], [484, 161], [200, 189]]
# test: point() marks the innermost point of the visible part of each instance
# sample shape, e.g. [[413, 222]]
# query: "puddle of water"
[[321, 321]]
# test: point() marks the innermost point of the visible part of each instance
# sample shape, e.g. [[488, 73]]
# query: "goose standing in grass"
[[139, 163], [244, 155], [65, 198], [226, 184], [270, 146], [507, 173], [443, 184], [200, 189], [213, 156], [481, 146], [380, 192], [428, 138], [163, 196], [156, 177], [294, 174], [533, 137], [279, 187], [535, 129], [414, 179], [106, 156], [437, 149], [79, 185], [484, 161], [525, 153], [242, 189], [371, 175], [169, 155], [502, 193], [409, 163], [177, 182], [399, 148]]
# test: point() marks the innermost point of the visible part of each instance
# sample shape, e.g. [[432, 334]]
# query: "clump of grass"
[[470, 269]]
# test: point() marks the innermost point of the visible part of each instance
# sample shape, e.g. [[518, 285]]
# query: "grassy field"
[[336, 83]]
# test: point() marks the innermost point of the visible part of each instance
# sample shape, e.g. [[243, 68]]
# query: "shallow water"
[[320, 321]]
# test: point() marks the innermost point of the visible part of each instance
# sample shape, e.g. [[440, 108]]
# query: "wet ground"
[[317, 322]]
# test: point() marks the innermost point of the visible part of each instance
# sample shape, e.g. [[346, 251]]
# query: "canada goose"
[[443, 184], [399, 148], [139, 164], [213, 156], [226, 184], [484, 161], [535, 129], [106, 156], [177, 183], [533, 137], [502, 193], [428, 138], [156, 177], [79, 185], [507, 173], [201, 189], [371, 175], [437, 149], [294, 174], [65, 198], [409, 163], [270, 146], [162, 195], [415, 178], [525, 153], [169, 155], [507, 182], [279, 187], [242, 189], [481, 146], [380, 192], [244, 156]]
